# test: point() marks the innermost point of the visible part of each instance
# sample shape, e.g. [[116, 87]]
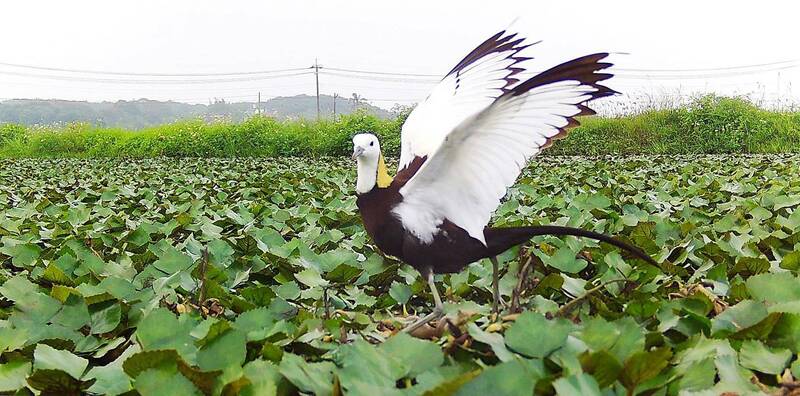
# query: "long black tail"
[[499, 240]]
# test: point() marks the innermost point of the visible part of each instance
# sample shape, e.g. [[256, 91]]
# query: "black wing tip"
[[585, 69], [501, 41]]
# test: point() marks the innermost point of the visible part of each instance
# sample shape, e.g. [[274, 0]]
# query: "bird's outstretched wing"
[[465, 178], [474, 83]]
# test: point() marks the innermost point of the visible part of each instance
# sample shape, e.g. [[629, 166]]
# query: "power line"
[[370, 74], [771, 66], [140, 81], [701, 76], [710, 69], [361, 71], [412, 81], [376, 78], [394, 100], [363, 77], [384, 73], [142, 88], [112, 73]]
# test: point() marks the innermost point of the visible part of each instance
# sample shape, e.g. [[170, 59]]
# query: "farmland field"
[[254, 276]]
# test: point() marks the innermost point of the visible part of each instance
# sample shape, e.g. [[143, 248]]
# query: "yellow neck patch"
[[384, 180]]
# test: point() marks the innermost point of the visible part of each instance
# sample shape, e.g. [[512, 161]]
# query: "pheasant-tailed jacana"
[[461, 148]]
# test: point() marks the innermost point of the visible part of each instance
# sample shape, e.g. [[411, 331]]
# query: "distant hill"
[[144, 112]]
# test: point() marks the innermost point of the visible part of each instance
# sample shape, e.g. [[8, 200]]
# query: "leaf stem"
[[203, 265], [566, 308]]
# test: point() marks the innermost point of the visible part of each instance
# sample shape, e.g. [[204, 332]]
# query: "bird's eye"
[[371, 143]]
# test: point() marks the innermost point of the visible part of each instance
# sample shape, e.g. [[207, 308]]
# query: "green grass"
[[258, 136], [710, 125]]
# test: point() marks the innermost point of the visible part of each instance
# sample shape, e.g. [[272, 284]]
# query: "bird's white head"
[[366, 148], [371, 166]]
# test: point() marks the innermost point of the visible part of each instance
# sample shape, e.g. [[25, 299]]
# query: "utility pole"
[[335, 95], [316, 76], [258, 107]]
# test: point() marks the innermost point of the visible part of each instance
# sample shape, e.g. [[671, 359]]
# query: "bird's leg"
[[438, 309], [495, 286]]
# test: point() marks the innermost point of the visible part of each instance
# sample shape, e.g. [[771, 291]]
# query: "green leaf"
[[343, 273], [738, 317], [643, 366], [89, 261], [164, 381], [105, 316], [442, 385], [12, 339], [39, 306], [311, 278], [796, 368], [223, 352], [214, 329], [774, 287], [697, 375], [603, 366], [56, 275], [205, 381], [549, 335], [25, 255], [56, 382], [791, 261], [316, 378], [263, 378], [257, 323], [598, 334], [111, 379], [784, 201], [13, 374], [267, 239], [119, 288], [288, 291], [786, 333], [732, 377], [400, 292], [46, 357], [140, 236], [365, 369], [701, 348], [74, 314], [494, 340], [162, 330], [417, 356], [172, 261], [755, 356], [579, 384], [751, 265], [516, 377], [145, 360], [93, 293], [258, 295], [220, 252], [564, 260]]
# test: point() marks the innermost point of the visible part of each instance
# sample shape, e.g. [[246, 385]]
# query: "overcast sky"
[[418, 37]]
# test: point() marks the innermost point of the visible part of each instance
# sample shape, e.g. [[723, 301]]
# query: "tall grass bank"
[[709, 125]]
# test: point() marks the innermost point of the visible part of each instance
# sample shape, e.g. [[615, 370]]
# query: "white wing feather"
[[470, 87], [480, 158]]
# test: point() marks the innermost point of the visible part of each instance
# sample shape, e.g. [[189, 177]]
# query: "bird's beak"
[[357, 151]]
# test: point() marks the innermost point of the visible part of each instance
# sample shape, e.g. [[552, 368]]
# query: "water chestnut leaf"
[[549, 335]]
